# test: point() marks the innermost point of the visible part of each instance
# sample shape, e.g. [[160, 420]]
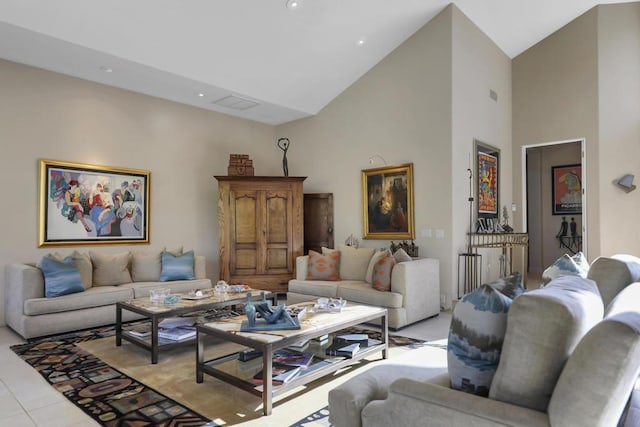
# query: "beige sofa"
[[414, 295], [29, 313], [570, 357]]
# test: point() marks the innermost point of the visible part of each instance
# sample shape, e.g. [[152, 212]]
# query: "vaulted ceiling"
[[263, 60]]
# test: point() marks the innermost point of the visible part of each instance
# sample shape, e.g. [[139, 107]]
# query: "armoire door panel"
[[277, 217], [277, 259], [244, 217]]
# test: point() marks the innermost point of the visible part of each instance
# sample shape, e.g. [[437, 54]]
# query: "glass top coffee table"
[[158, 311], [229, 369]]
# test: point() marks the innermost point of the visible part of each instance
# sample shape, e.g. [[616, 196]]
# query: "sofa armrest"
[[411, 402], [301, 267], [199, 267], [419, 282], [22, 282]]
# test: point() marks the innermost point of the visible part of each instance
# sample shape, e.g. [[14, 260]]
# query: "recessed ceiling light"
[[361, 41], [201, 95], [106, 69], [294, 4]]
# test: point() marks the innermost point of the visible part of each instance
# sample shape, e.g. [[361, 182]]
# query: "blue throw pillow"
[[177, 267], [478, 326], [60, 277], [510, 286]]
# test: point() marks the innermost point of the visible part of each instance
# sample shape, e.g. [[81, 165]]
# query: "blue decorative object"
[[177, 267], [60, 277], [250, 310], [171, 299]]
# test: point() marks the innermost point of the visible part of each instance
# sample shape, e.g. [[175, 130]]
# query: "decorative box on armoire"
[[260, 230]]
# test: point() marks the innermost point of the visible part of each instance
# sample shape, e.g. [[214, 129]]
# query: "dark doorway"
[[318, 221]]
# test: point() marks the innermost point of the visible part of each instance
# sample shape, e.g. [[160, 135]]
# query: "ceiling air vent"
[[235, 103]]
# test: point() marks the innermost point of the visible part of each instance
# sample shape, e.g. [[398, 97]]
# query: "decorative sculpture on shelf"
[[250, 310], [505, 214], [563, 227], [283, 144]]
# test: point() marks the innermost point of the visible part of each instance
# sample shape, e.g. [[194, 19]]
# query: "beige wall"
[[478, 67], [47, 115], [584, 81], [555, 98], [619, 116]]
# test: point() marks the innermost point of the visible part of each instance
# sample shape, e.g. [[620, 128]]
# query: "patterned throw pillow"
[[510, 286], [382, 273], [478, 326], [566, 265], [60, 277], [177, 267], [109, 270], [323, 267], [374, 259]]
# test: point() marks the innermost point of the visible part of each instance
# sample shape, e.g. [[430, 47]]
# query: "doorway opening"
[[554, 202]]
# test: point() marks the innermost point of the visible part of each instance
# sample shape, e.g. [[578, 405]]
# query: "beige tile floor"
[[26, 399]]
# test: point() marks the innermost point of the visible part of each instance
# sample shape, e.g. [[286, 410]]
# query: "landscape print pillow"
[[478, 326], [566, 265]]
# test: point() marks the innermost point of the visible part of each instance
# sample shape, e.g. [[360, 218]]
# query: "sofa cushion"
[[353, 261], [146, 267], [177, 267], [603, 368], [361, 292], [566, 265], [478, 325], [627, 299], [321, 288], [142, 289], [323, 267], [543, 328], [511, 286], [60, 277], [94, 297], [110, 269], [612, 274], [374, 258], [382, 273], [401, 256]]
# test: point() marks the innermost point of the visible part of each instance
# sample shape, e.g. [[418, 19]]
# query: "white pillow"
[[402, 256], [353, 262], [110, 269]]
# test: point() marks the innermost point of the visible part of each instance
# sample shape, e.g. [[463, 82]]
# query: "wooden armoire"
[[260, 230]]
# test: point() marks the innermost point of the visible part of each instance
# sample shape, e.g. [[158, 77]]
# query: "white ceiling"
[[290, 62]]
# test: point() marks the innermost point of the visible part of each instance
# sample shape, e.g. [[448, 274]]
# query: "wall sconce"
[[372, 159], [626, 183]]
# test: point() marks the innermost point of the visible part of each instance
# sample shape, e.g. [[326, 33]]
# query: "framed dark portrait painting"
[[487, 182], [89, 204], [566, 189], [387, 199]]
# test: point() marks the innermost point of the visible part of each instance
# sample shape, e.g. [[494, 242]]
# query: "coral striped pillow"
[[382, 273], [323, 267]]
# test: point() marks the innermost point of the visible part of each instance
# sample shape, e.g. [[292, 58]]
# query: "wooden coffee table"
[[312, 326], [157, 312]]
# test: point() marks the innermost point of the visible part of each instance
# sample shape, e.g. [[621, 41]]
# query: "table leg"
[[154, 340], [118, 326], [384, 328], [267, 380], [199, 356]]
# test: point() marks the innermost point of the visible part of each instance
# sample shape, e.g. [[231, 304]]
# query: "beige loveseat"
[[31, 314], [571, 357], [414, 294]]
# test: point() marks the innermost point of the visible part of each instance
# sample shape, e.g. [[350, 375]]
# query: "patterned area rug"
[[102, 392]]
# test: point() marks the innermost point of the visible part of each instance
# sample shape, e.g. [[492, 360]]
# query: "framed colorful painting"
[[82, 204], [566, 189], [387, 202], [487, 187]]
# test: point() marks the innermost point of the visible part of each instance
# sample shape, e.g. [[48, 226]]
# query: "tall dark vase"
[[250, 310]]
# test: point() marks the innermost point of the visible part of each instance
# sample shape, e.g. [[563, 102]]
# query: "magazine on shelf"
[[280, 374], [343, 348], [177, 334], [174, 322], [300, 345], [140, 331], [287, 356]]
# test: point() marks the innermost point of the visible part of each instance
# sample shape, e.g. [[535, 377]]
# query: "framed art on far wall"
[[566, 189], [487, 180], [82, 204], [387, 202]]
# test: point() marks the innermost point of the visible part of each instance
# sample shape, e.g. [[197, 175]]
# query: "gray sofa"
[[548, 374], [29, 313], [414, 295]]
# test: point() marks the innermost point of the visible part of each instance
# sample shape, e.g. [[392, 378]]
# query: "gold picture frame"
[[82, 204], [387, 202]]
